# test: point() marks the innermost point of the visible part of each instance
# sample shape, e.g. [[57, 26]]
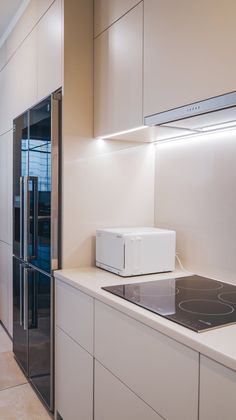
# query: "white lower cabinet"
[[114, 401], [159, 370], [217, 391], [74, 379]]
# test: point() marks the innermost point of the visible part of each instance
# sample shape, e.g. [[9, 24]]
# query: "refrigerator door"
[[39, 250], [43, 185], [20, 170], [41, 334], [20, 313]]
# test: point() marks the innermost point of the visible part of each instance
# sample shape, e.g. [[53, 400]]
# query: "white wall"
[[195, 195]]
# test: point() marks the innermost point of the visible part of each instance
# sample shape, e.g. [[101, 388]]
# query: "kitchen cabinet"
[[6, 285], [113, 400], [162, 372], [73, 353], [6, 187], [106, 12], [74, 379], [189, 52], [217, 391], [49, 50], [118, 54]]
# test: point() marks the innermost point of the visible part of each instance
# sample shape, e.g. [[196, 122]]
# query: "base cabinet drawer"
[[114, 401], [217, 391], [159, 370], [74, 379], [74, 314]]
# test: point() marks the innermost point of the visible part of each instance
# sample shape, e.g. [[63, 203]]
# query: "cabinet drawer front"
[[74, 314], [217, 391], [161, 371], [113, 400], [74, 379]]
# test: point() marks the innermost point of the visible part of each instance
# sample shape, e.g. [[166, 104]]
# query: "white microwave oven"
[[135, 251]]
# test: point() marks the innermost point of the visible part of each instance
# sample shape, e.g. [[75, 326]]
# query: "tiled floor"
[[18, 401]]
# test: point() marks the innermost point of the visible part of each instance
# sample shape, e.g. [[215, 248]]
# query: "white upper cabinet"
[[107, 12], [118, 56], [49, 49], [189, 52], [217, 391]]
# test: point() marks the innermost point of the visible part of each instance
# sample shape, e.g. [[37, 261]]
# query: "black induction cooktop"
[[198, 303]]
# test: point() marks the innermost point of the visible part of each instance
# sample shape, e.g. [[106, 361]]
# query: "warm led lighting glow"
[[220, 126], [120, 133]]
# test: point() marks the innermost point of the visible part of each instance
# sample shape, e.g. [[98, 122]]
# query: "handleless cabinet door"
[[113, 400], [217, 391], [74, 379], [106, 12], [49, 49], [189, 52], [118, 75], [159, 370]]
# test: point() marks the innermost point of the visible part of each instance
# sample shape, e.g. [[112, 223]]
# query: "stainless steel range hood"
[[209, 115]]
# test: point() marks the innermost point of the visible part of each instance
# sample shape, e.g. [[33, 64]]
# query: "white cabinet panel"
[[107, 12], [189, 52], [74, 379], [6, 160], [21, 78], [6, 285], [161, 371], [217, 391], [49, 51], [74, 314], [113, 400], [118, 75]]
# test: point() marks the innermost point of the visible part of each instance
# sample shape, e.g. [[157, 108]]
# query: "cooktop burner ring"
[[217, 286], [228, 308], [231, 302]]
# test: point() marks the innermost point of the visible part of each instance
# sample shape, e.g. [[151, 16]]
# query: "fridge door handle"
[[26, 299], [21, 296], [27, 180], [21, 215], [34, 180], [26, 207]]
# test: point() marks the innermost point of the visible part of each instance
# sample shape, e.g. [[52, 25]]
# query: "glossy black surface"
[[195, 302], [20, 169], [39, 248]]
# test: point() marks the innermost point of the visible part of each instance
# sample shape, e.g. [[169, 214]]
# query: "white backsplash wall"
[[112, 185], [195, 194]]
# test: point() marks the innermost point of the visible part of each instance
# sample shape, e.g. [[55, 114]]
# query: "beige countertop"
[[218, 344]]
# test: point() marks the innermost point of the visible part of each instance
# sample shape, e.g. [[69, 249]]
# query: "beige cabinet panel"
[[217, 391], [6, 285], [6, 159], [113, 400], [118, 75], [107, 12], [74, 314], [159, 370], [189, 52], [49, 51], [21, 78], [74, 379]]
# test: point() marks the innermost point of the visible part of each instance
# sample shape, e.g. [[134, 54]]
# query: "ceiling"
[[8, 10]]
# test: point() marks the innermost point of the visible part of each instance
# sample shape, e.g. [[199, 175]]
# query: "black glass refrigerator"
[[36, 241]]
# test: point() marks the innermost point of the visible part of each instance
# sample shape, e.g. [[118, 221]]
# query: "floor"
[[18, 401]]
